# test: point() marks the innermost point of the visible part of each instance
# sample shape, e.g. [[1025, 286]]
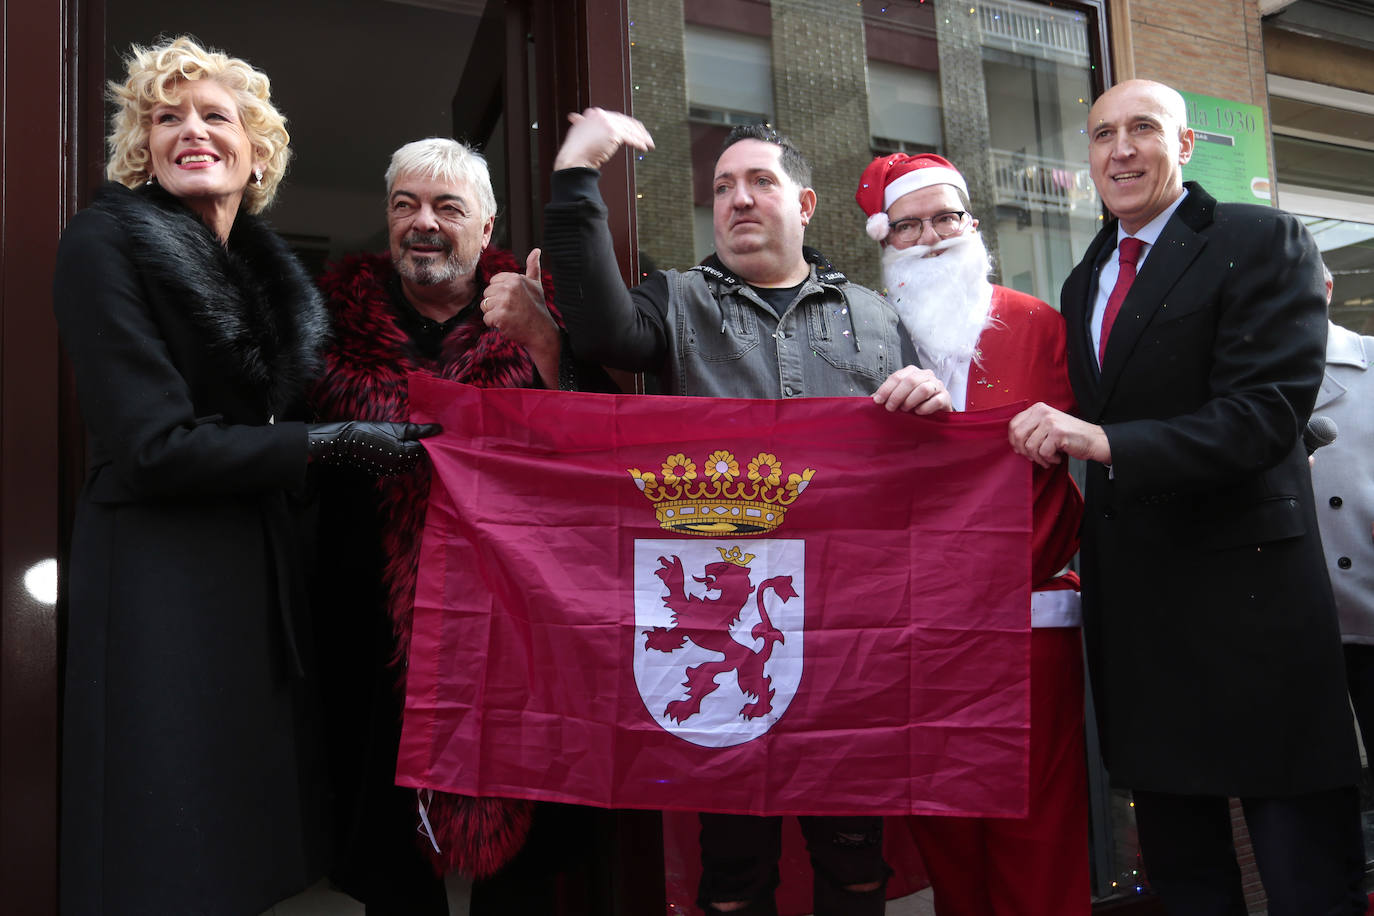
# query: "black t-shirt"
[[777, 298], [427, 334]]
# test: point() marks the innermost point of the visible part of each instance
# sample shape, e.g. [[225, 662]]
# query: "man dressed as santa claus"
[[992, 346]]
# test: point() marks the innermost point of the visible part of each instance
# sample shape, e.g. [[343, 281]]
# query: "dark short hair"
[[794, 164]]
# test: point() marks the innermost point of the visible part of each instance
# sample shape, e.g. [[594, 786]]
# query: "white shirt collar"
[[1149, 233], [1110, 265]]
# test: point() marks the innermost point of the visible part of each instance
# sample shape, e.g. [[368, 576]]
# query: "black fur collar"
[[252, 297]]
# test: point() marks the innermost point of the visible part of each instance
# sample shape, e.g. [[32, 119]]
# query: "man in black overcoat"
[[1210, 627]]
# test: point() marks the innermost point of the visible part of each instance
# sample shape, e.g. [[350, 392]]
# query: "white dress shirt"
[[1106, 277]]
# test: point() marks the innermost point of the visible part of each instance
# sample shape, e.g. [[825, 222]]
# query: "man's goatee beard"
[[943, 301], [432, 271]]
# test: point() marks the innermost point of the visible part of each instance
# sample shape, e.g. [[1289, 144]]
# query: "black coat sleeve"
[[145, 428], [606, 323]]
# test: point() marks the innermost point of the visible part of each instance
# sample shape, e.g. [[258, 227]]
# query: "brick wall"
[[820, 88], [964, 94], [663, 179], [1214, 48]]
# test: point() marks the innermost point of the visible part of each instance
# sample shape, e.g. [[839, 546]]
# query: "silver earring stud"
[[257, 174]]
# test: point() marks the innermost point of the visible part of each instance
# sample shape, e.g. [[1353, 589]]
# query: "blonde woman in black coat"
[[191, 779]]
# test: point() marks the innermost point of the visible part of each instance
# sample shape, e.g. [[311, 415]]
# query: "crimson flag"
[[763, 607]]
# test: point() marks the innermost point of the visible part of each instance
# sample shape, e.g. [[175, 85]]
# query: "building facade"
[[1001, 87]]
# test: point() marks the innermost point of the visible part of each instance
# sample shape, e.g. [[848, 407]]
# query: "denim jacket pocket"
[[736, 333], [850, 344]]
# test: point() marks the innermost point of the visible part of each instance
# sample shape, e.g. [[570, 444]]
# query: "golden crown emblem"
[[719, 501]]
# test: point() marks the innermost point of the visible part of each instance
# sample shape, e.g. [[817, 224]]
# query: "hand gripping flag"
[[765, 607]]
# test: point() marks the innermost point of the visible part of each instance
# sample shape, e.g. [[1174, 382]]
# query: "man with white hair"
[[443, 302], [992, 346]]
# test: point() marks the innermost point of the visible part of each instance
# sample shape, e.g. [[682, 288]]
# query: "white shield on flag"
[[719, 634]]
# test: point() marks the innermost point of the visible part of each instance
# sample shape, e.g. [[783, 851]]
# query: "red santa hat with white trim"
[[889, 177]]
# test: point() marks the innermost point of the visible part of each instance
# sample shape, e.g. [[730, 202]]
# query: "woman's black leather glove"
[[380, 448]]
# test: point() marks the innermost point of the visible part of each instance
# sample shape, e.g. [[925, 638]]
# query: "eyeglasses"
[[946, 225]]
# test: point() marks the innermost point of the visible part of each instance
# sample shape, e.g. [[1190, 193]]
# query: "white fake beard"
[[944, 302]]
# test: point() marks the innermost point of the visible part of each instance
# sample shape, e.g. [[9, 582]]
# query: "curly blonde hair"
[[153, 77]]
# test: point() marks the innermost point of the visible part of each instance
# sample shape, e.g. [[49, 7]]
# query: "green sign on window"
[[1230, 152]]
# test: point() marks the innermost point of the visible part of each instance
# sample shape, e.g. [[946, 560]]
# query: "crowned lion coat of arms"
[[720, 616]]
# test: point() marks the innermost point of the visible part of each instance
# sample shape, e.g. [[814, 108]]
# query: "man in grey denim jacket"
[[763, 317]]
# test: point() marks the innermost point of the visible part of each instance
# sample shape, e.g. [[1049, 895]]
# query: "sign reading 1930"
[[1230, 153]]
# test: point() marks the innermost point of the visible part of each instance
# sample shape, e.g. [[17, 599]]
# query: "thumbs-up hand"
[[513, 304]]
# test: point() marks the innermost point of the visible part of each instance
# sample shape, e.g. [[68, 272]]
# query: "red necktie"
[[1125, 276]]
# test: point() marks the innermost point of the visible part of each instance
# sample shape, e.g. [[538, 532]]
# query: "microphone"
[[1318, 432]]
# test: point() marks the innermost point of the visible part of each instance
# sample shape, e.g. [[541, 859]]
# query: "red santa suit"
[[1038, 865]]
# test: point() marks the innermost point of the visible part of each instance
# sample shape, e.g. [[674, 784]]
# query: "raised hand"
[[595, 136]]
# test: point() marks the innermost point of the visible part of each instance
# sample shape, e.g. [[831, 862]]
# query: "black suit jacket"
[[1210, 627]]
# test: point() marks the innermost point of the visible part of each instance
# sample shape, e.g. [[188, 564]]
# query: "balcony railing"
[[1036, 31], [1038, 183]]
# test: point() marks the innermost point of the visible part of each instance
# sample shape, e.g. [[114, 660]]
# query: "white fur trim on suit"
[[1056, 608], [921, 178]]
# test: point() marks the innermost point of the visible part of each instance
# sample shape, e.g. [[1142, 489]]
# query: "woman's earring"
[[152, 179], [257, 174]]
